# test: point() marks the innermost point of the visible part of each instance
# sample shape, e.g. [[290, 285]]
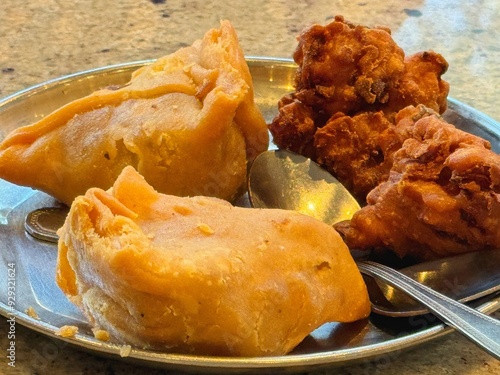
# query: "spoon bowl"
[[281, 179]]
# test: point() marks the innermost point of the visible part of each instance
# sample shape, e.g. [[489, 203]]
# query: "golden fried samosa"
[[188, 123], [198, 275]]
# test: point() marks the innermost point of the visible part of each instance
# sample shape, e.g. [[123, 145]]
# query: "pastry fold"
[[199, 275], [188, 123]]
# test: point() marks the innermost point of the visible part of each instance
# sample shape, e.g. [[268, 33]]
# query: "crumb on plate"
[[67, 331], [100, 334], [125, 350], [30, 311]]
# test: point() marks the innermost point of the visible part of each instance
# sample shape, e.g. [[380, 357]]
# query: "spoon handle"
[[480, 328]]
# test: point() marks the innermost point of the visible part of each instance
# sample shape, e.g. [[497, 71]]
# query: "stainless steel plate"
[[27, 265]]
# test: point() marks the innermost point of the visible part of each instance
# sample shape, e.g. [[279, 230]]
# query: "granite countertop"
[[45, 39]]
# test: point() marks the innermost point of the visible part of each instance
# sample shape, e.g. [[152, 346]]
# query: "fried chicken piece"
[[442, 196], [357, 150], [294, 129], [420, 84], [348, 78], [344, 67]]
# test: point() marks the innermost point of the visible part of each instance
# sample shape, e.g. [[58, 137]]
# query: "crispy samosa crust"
[[199, 275], [188, 123]]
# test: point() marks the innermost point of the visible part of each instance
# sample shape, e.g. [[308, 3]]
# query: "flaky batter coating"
[[357, 150], [344, 67], [420, 84], [442, 196]]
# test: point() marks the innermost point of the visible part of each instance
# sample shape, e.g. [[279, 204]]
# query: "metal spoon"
[[282, 179], [456, 277]]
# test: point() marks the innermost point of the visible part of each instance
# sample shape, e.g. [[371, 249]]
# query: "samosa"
[[199, 275], [188, 123]]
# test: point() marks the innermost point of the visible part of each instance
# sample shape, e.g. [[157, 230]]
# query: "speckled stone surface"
[[44, 39]]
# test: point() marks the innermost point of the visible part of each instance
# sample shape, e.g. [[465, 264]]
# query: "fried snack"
[[343, 67], [357, 150], [188, 123], [348, 79], [442, 196], [420, 83], [199, 275]]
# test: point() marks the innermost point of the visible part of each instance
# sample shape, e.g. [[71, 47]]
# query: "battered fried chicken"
[[442, 196], [294, 129], [344, 67], [371, 117], [350, 83], [420, 84], [357, 150]]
